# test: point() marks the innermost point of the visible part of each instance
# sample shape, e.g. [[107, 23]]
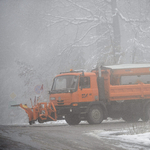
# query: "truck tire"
[[72, 119], [146, 115], [31, 122], [130, 118], [40, 120], [95, 115]]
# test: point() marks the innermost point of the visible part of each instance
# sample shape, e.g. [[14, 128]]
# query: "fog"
[[40, 39]]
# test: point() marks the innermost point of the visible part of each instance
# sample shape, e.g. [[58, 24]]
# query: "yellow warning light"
[[71, 70], [25, 106]]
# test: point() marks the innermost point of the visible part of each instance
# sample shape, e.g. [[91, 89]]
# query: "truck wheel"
[[40, 120], [146, 115], [130, 118], [72, 119], [95, 115]]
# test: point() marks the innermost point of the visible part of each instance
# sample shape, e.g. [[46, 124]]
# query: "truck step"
[[82, 113], [81, 107]]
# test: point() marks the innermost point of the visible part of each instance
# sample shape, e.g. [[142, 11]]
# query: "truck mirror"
[[80, 87], [70, 91]]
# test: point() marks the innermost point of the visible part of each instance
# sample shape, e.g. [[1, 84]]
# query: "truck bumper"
[[64, 110]]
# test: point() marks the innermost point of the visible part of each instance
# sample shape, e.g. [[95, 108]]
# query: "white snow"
[[124, 138], [127, 66], [141, 139]]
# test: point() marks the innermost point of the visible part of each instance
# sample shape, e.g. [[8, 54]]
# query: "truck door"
[[85, 90]]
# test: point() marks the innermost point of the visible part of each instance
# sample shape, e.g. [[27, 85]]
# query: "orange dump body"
[[126, 83]]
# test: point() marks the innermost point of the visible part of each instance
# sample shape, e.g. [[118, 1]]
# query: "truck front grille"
[[60, 102]]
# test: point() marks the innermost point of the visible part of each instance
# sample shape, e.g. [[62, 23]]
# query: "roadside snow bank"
[[123, 136]]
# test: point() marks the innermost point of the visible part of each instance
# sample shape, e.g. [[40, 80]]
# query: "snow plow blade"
[[42, 112]]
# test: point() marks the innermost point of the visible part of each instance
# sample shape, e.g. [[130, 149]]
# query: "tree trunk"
[[116, 39]]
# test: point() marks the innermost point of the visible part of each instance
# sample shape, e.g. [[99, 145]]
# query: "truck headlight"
[[52, 98]]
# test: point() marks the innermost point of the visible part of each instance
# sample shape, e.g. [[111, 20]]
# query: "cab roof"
[[76, 73]]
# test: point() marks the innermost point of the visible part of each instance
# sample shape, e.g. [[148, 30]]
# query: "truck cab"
[[73, 93]]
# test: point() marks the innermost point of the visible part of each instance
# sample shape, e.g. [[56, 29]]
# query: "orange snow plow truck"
[[119, 91]]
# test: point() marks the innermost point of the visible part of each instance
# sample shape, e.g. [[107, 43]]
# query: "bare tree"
[[135, 18], [85, 25]]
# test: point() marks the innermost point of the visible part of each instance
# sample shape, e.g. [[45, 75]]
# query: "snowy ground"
[[132, 138], [123, 139]]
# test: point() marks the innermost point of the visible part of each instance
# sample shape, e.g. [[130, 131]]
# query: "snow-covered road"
[[111, 134]]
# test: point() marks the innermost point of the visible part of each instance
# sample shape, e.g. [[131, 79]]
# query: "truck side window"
[[84, 82]]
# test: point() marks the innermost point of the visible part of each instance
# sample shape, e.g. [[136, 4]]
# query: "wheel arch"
[[145, 115], [100, 104], [145, 105]]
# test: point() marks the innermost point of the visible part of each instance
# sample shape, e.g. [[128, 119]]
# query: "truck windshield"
[[65, 83]]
